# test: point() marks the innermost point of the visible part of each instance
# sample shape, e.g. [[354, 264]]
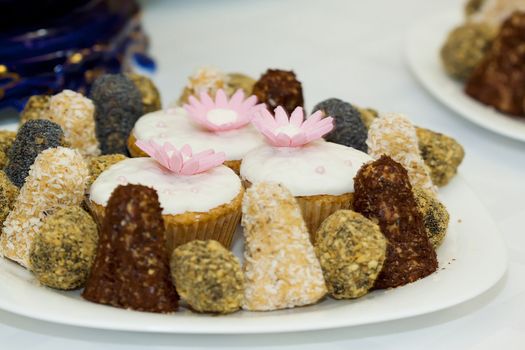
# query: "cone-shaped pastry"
[[131, 269], [280, 267], [394, 135], [56, 180], [383, 194]]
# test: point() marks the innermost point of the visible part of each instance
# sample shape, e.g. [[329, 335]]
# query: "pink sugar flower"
[[222, 114], [281, 131], [182, 162]]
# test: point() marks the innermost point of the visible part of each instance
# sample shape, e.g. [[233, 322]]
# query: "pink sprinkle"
[[161, 125], [194, 190], [348, 162], [170, 111], [320, 170]]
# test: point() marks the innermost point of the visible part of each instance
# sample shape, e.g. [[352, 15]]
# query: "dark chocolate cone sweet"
[[131, 269], [384, 195]]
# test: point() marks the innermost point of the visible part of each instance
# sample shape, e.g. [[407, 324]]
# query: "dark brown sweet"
[[383, 194], [118, 105], [131, 269], [279, 88], [499, 80]]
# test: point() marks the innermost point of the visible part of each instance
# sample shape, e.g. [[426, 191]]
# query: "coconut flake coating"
[[56, 180], [97, 165], [118, 106], [349, 129], [435, 215], [280, 266], [384, 195], [6, 141], [75, 114], [32, 138], [8, 194], [149, 93], [63, 251], [279, 88], [208, 277], [465, 48], [205, 79], [37, 107], [131, 268], [394, 135], [351, 250], [441, 153]]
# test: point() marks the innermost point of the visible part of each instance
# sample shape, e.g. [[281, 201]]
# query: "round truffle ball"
[[367, 115], [442, 154], [349, 129], [6, 141], [279, 88], [434, 213], [465, 47], [37, 107], [351, 250], [62, 253], [241, 81], [208, 277], [97, 165], [148, 91], [473, 6], [8, 194], [33, 137]]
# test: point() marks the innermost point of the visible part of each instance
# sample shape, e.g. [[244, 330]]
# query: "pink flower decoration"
[[281, 131], [222, 114], [182, 162]]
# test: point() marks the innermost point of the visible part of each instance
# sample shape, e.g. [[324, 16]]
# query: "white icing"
[[176, 127], [219, 116], [177, 194], [314, 169]]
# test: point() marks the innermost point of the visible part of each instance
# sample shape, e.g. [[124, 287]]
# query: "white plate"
[[424, 42], [472, 259]]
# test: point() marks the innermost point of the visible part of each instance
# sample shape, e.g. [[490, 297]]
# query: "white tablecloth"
[[353, 50]]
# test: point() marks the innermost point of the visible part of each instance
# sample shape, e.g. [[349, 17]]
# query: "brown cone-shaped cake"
[[131, 269], [383, 194], [499, 80]]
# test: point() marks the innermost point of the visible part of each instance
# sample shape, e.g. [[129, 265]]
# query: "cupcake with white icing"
[[200, 198], [318, 173], [222, 124]]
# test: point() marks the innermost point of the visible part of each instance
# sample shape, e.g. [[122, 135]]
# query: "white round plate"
[[424, 42], [472, 259]]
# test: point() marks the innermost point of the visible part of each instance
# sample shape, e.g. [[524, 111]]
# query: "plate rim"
[[462, 104], [328, 323]]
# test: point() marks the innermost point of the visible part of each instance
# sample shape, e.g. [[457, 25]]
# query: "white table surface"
[[353, 50]]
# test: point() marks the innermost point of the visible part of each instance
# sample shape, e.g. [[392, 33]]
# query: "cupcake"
[[222, 124], [318, 173], [201, 199]]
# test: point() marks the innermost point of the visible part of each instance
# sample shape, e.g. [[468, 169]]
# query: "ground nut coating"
[[351, 250], [208, 276]]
